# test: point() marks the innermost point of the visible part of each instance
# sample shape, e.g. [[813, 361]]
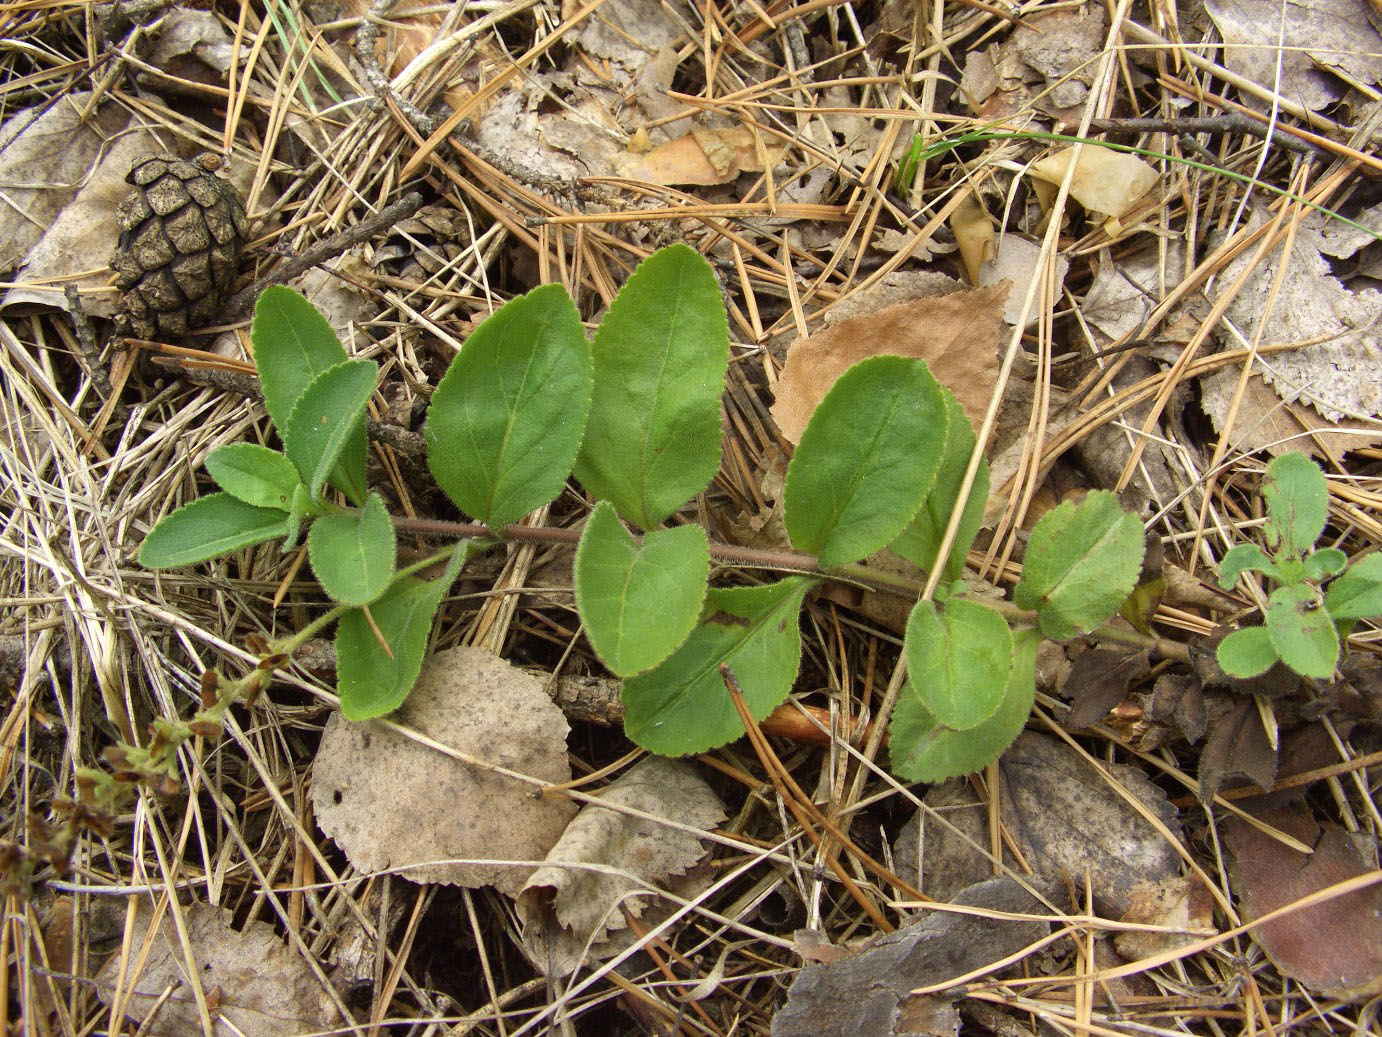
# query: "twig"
[[365, 39], [86, 344], [1219, 125], [240, 304]]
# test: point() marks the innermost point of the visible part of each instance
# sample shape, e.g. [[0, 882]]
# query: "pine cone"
[[181, 232]]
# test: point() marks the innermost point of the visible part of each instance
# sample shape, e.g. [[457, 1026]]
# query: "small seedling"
[[635, 417], [1301, 624]]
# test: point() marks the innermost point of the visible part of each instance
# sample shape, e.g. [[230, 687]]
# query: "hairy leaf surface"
[[653, 439], [639, 601], [682, 706], [958, 660], [866, 460], [353, 553], [507, 419], [254, 474], [325, 434], [207, 527]]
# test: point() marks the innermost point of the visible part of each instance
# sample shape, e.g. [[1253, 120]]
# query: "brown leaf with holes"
[[956, 334], [1333, 948]]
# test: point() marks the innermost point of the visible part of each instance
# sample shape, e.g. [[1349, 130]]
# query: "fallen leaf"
[[1175, 903], [1334, 948], [191, 45], [1064, 818], [1338, 376], [1123, 293], [1106, 182], [1264, 421], [1098, 680], [1016, 262], [973, 230], [1062, 46], [46, 154], [629, 31], [703, 157], [377, 793], [861, 996], [568, 911], [1237, 745], [956, 334], [261, 987], [1288, 46]]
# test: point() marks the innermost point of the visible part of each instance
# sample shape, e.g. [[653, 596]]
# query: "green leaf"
[[353, 553], [369, 682], [920, 541], [1324, 563], [959, 659], [325, 434], [1245, 558], [923, 749], [301, 507], [293, 343], [639, 602], [1357, 594], [682, 706], [866, 460], [254, 474], [1246, 652], [653, 439], [209, 526], [1302, 631], [1081, 563], [507, 419], [1297, 499]]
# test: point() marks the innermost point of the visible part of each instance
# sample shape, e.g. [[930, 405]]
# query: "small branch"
[[1217, 125], [240, 304], [86, 344]]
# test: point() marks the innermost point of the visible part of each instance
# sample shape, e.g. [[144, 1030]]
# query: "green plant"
[[635, 416], [1301, 624]]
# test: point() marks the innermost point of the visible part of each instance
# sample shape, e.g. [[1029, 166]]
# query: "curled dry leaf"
[[956, 334], [704, 157], [258, 985], [1016, 262], [377, 792], [1107, 182], [1333, 948], [608, 862]]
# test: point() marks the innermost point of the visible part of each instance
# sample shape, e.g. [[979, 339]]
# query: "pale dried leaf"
[[956, 334], [1016, 263], [1107, 182], [1333, 948], [1338, 376], [973, 232], [69, 246], [1264, 421], [46, 153], [1123, 294], [702, 157], [390, 802], [1062, 46], [193, 45], [630, 31], [1305, 37], [564, 909], [260, 987]]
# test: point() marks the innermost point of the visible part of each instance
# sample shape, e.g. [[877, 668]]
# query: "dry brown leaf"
[[46, 153], [1337, 376], [569, 912], [1107, 182], [1264, 421], [703, 157], [259, 987], [392, 803], [1098, 681], [1124, 292], [1333, 948], [862, 995], [1237, 745], [956, 334], [1305, 37], [1062, 46]]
